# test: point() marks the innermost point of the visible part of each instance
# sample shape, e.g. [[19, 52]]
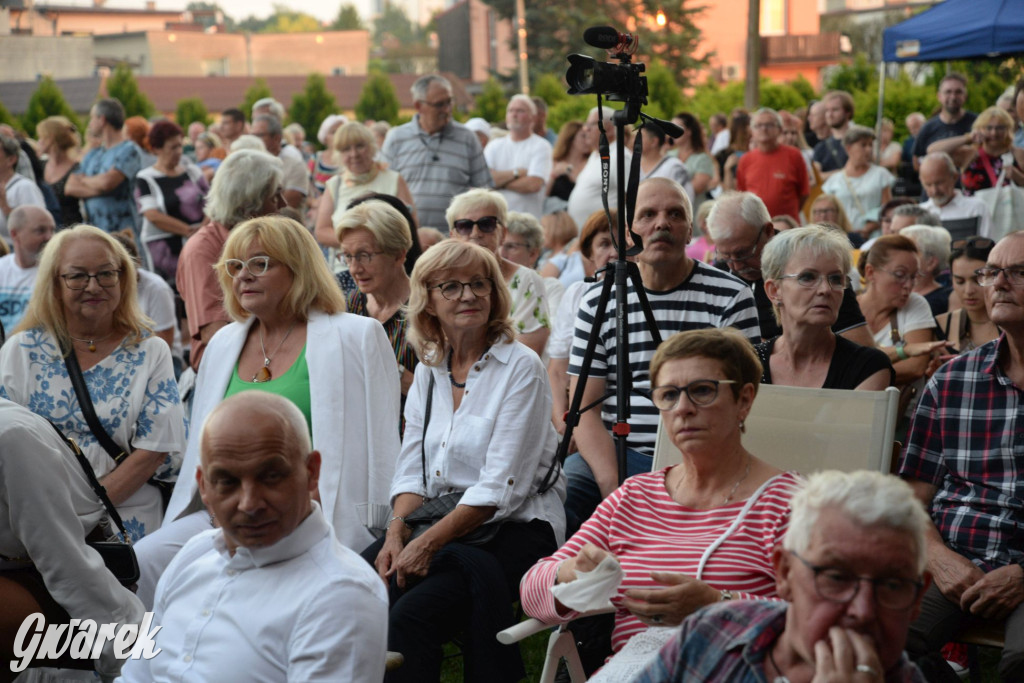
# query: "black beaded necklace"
[[451, 377]]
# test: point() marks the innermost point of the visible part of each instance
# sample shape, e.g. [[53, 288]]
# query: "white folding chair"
[[793, 428], [807, 430]]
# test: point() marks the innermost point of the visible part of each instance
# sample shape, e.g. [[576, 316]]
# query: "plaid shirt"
[[728, 642], [967, 439]]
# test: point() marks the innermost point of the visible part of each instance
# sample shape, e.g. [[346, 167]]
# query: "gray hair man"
[[272, 584], [296, 177], [31, 228], [740, 226], [851, 573], [438, 157], [520, 162], [939, 176]]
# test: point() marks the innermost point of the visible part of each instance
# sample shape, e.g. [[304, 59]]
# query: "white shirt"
[[16, 285], [304, 609], [961, 206], [156, 299], [861, 194], [916, 315], [296, 175], [46, 509], [586, 195], [720, 142], [533, 154], [564, 324], [20, 192], [499, 446]]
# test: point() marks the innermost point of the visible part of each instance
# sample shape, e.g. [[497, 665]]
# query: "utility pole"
[[524, 76], [752, 89]]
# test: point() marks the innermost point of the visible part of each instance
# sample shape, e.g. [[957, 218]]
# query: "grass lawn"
[[533, 649]]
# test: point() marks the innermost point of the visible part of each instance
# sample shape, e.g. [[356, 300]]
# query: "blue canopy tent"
[[954, 29], [957, 29]]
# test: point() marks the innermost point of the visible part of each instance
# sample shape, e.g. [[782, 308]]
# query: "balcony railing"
[[806, 48]]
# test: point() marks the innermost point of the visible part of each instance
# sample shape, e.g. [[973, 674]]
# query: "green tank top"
[[293, 385]]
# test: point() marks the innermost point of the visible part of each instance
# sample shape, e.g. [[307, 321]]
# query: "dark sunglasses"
[[464, 226], [979, 246]]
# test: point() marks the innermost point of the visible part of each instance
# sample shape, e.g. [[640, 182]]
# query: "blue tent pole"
[[878, 114]]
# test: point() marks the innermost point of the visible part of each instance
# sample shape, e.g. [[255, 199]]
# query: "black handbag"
[[118, 554], [116, 453]]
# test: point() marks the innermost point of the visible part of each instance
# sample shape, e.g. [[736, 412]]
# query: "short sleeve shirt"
[[115, 210]]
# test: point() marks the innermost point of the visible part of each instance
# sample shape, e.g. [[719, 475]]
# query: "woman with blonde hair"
[[466, 440], [356, 148], [828, 209], [291, 336], [60, 142], [991, 157], [84, 319]]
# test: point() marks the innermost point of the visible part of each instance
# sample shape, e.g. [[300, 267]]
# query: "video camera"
[[618, 82]]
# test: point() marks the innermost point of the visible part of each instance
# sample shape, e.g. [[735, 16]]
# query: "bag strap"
[[894, 329], [426, 422], [97, 487], [116, 453]]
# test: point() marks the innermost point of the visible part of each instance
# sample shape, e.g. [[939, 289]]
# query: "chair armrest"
[[525, 629]]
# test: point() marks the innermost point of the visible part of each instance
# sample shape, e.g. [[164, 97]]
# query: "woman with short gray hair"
[[805, 277], [934, 245], [523, 239], [862, 185]]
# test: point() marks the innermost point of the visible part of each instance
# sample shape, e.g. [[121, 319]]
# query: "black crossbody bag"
[[116, 453], [434, 509], [118, 555]]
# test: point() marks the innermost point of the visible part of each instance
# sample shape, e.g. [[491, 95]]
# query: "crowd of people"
[[324, 390]]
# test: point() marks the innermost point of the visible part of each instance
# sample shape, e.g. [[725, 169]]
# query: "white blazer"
[[355, 406]]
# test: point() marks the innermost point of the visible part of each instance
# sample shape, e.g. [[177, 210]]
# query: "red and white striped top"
[[648, 531]]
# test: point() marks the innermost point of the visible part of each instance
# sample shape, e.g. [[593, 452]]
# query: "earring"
[[743, 427]]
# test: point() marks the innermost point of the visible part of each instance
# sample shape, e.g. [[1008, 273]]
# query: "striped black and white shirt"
[[707, 298]]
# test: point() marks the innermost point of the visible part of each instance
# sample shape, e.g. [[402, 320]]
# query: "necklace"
[[732, 491], [264, 374], [451, 377], [781, 678], [92, 342]]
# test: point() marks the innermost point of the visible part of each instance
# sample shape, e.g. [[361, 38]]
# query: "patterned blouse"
[[395, 328]]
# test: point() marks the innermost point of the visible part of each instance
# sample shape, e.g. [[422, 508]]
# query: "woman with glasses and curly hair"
[[477, 435]]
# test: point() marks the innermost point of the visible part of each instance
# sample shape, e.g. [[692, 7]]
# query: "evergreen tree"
[[550, 88], [378, 99], [47, 100], [7, 118], [491, 102], [286, 20], [189, 110], [257, 91], [314, 104], [348, 19], [122, 86]]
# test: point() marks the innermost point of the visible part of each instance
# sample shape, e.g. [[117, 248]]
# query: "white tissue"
[[591, 590]]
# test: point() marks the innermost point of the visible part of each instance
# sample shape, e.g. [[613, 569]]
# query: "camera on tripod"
[[623, 82]]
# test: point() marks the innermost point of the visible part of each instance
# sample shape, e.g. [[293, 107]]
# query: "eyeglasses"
[[440, 104], [901, 278], [960, 247], [988, 275], [840, 586], [453, 289], [104, 278], [825, 211], [701, 392], [363, 258], [514, 245], [810, 279], [257, 266], [744, 254], [764, 126], [464, 226]]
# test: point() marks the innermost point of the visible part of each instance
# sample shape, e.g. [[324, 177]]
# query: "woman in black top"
[[805, 275]]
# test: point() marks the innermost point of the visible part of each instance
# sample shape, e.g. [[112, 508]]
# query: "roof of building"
[[80, 93]]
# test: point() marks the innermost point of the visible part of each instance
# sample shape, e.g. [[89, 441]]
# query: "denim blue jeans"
[[582, 495]]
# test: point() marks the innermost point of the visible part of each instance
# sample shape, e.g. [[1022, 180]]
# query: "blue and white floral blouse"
[[134, 395]]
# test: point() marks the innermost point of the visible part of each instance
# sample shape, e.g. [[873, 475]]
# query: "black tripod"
[[615, 275]]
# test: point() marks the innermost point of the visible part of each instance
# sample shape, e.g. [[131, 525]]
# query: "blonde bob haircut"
[[996, 116], [731, 349], [477, 199], [434, 267], [290, 244], [389, 228], [46, 308], [354, 133]]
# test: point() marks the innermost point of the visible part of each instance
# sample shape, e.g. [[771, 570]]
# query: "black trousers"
[[940, 621], [468, 591]]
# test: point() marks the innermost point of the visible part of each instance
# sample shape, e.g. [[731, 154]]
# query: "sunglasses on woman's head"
[[464, 226]]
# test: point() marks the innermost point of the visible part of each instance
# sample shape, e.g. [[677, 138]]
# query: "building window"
[[773, 17]]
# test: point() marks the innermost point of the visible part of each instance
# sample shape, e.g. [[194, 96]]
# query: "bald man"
[[271, 595], [31, 228]]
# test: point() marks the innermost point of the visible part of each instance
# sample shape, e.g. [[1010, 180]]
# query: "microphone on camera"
[[608, 38]]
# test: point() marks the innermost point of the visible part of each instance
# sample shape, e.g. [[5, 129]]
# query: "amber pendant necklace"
[[263, 374], [92, 342]]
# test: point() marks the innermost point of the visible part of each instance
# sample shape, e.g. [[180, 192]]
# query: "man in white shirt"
[[31, 228], [586, 195], [271, 595], [938, 178], [520, 162], [268, 106], [296, 177]]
